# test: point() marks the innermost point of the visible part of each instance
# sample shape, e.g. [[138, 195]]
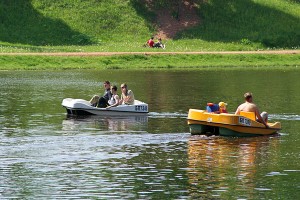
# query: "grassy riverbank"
[[124, 25], [154, 62]]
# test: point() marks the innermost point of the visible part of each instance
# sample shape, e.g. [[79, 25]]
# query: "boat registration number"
[[141, 108], [244, 121]]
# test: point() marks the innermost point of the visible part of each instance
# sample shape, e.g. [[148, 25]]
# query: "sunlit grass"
[[153, 62], [125, 25], [184, 45]]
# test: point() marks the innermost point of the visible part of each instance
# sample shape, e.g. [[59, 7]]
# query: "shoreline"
[[81, 54], [227, 60]]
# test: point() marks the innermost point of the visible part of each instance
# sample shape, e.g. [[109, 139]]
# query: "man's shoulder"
[[252, 105], [248, 107], [242, 105]]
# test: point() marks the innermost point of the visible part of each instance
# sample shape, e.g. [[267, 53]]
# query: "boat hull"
[[201, 122], [83, 107]]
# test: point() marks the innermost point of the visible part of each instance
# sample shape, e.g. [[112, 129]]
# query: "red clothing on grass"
[[150, 43]]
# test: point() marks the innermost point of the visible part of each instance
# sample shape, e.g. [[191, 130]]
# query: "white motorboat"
[[83, 107]]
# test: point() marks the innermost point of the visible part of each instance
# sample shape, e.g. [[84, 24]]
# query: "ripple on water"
[[285, 116]]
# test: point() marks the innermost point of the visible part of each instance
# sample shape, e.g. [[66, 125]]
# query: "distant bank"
[[214, 60], [151, 53]]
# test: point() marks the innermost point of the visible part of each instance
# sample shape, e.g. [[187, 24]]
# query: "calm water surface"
[[46, 155]]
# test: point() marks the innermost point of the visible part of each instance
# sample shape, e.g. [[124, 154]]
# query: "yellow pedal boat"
[[243, 125]]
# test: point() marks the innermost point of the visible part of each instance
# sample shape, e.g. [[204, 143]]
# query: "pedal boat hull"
[[205, 123], [83, 107]]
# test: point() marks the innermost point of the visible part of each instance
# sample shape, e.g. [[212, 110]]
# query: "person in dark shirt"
[[159, 44], [102, 102]]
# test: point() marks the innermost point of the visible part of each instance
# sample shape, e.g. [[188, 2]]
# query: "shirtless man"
[[249, 106]]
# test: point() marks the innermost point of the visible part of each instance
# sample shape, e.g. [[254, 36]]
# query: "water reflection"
[[132, 123], [218, 166]]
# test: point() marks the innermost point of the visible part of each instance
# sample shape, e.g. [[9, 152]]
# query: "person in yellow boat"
[[249, 106], [222, 107]]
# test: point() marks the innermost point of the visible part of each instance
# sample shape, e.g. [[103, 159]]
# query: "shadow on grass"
[[245, 21], [21, 23], [241, 21]]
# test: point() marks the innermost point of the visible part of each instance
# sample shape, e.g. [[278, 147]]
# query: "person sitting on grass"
[[150, 43], [159, 44]]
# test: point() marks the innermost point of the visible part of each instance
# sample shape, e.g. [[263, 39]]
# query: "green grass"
[[184, 45], [66, 22], [154, 62], [124, 25], [265, 23]]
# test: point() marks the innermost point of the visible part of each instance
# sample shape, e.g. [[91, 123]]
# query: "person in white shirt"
[[115, 99]]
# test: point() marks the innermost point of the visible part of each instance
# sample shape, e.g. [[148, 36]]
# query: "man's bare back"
[[246, 107]]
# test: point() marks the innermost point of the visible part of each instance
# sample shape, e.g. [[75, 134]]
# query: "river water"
[[44, 154]]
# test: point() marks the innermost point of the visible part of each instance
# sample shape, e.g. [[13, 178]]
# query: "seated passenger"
[[249, 106], [102, 102], [127, 96], [114, 100], [222, 107], [211, 107]]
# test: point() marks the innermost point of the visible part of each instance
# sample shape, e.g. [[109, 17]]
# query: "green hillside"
[[272, 23], [124, 25], [69, 22]]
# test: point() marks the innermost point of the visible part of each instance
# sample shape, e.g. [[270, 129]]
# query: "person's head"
[[248, 96], [152, 38], [114, 89], [106, 84], [222, 105], [124, 87], [159, 39]]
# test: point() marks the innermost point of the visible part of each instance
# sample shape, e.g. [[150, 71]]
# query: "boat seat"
[[250, 115]]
